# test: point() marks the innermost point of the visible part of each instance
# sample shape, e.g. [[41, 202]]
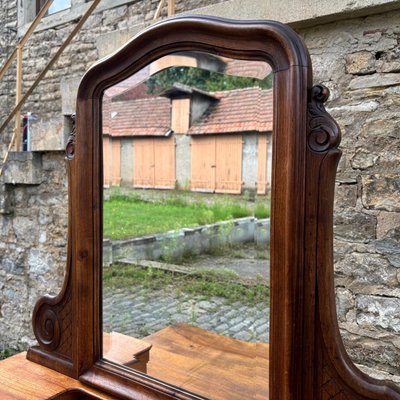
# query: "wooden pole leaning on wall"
[[18, 96], [158, 10], [171, 8]]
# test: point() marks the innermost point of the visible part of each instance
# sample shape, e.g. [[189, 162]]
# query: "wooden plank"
[[171, 8], [180, 115], [158, 10], [143, 163], [229, 164], [21, 379], [106, 161], [18, 95], [164, 163], [203, 164], [211, 365], [116, 162], [262, 164]]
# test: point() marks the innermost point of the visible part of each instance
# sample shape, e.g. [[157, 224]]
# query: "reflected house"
[[188, 138]]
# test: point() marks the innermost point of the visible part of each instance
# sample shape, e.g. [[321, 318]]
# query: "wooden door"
[[262, 181], [143, 163], [164, 163], [116, 162], [228, 174], [203, 164], [217, 164], [154, 163]]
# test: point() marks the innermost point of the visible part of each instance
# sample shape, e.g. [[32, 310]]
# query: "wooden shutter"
[[262, 164], [116, 162], [164, 163], [143, 163], [203, 164], [229, 164], [106, 161]]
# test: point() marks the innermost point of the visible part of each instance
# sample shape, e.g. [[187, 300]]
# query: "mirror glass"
[[187, 145]]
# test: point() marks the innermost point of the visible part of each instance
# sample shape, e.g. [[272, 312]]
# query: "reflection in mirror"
[[187, 174]]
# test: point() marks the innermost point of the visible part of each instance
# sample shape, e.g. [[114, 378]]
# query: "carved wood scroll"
[[307, 357]]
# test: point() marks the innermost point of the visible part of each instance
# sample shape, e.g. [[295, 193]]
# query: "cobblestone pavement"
[[139, 312]]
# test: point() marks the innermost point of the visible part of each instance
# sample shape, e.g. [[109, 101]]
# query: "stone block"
[[374, 81], [378, 312], [48, 134], [69, 90], [23, 168], [25, 229], [390, 248], [110, 42], [360, 63], [107, 253], [388, 226], [355, 226], [344, 303], [262, 232], [5, 200], [381, 192], [363, 159], [360, 270], [346, 195], [372, 352]]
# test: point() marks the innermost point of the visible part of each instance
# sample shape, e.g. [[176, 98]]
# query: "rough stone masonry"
[[357, 58]]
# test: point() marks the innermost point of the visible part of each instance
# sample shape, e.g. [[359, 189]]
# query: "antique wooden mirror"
[[307, 359]]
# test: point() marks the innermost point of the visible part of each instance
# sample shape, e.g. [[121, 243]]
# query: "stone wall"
[[33, 241], [358, 59], [8, 37]]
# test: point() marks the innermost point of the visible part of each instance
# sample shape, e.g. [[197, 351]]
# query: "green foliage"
[[202, 282], [203, 79], [261, 211], [6, 353]]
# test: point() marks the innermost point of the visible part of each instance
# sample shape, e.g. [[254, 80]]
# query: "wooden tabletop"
[[21, 379], [194, 359], [126, 350], [208, 364]]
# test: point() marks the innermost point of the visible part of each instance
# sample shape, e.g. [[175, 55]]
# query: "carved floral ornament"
[[306, 351]]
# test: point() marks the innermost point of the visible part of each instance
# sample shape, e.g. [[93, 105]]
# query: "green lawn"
[[127, 216]]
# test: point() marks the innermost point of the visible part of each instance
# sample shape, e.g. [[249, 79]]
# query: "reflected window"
[[57, 5]]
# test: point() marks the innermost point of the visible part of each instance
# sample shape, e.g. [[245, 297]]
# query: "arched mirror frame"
[[307, 357]]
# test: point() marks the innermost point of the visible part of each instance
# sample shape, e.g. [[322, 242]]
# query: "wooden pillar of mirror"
[[307, 358]]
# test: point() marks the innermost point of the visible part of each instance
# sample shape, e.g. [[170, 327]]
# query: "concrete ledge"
[[5, 200], [24, 168], [172, 245], [298, 13]]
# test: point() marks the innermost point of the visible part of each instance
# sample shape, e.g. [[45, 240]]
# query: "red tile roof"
[[241, 110], [142, 117]]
